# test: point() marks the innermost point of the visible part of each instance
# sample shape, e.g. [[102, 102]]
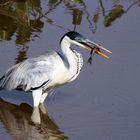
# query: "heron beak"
[[101, 54], [96, 48]]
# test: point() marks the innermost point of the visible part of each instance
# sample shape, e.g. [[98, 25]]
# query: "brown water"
[[103, 103]]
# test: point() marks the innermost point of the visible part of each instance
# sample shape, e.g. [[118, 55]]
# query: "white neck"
[[74, 59], [68, 53]]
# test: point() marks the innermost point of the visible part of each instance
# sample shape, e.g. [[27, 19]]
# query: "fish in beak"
[[95, 48]]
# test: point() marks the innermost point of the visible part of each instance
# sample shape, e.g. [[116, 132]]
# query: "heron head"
[[80, 40]]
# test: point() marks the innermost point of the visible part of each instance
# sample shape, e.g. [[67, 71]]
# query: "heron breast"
[[79, 64]]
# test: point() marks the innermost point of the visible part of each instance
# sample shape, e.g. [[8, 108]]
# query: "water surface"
[[103, 103]]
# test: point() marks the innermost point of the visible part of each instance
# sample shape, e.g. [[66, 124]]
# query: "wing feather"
[[31, 73]]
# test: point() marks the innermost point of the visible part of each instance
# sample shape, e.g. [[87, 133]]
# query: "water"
[[103, 103]]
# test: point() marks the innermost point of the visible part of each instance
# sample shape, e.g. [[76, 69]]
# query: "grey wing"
[[30, 74]]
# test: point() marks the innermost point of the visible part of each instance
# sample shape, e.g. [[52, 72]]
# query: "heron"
[[41, 74]]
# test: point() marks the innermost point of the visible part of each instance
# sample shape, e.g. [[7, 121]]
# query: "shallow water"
[[103, 102]]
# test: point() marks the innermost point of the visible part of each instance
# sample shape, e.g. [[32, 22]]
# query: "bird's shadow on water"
[[24, 122]]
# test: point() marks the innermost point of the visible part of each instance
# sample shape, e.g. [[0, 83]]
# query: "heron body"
[[48, 71]]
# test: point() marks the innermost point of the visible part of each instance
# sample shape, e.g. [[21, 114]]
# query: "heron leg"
[[37, 96], [43, 108], [36, 116], [43, 97]]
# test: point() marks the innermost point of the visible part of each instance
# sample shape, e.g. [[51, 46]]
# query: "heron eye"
[[77, 39]]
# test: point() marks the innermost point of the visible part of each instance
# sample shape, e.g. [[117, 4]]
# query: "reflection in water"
[[24, 19], [116, 12], [77, 17], [78, 8], [20, 17], [7, 27], [21, 54], [17, 120]]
